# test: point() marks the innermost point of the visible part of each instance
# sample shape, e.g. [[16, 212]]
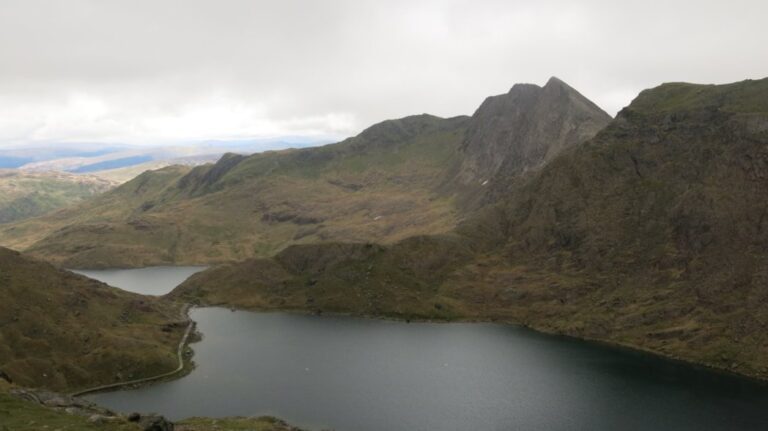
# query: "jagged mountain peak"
[[555, 82], [522, 129], [552, 82]]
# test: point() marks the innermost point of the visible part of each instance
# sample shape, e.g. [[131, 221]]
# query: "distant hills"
[[29, 194], [651, 234], [90, 157], [37, 181], [416, 175]]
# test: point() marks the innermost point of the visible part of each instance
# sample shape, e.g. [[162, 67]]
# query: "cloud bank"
[[164, 71]]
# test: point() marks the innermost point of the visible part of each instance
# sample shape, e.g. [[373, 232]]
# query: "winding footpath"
[[179, 353]]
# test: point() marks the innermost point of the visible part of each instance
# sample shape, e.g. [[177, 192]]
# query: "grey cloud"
[[162, 70]]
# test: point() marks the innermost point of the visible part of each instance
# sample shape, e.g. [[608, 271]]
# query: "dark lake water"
[[155, 280], [341, 373]]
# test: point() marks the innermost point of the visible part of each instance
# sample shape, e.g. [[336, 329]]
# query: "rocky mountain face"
[[63, 331], [520, 131], [396, 179], [650, 235]]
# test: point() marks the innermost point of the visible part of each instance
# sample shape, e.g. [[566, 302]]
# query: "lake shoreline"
[[761, 379], [290, 342], [194, 336]]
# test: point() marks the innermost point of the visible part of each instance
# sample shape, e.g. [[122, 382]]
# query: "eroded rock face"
[[523, 129]]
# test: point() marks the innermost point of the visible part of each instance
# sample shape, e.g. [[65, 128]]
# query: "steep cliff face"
[[519, 131], [651, 234]]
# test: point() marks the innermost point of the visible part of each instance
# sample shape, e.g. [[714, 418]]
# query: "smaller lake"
[[155, 280]]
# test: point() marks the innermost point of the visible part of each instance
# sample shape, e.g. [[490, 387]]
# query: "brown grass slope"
[[396, 179], [652, 234], [63, 331]]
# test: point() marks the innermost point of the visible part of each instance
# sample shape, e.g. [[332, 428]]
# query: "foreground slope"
[[26, 410], [651, 235], [63, 331], [396, 179], [30, 194]]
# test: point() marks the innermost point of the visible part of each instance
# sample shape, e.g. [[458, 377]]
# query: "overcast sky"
[[164, 71]]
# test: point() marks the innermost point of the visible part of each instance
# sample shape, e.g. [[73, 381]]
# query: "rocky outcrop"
[[58, 401], [513, 133], [93, 412]]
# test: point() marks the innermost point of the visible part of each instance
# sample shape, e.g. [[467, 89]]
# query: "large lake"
[[355, 374]]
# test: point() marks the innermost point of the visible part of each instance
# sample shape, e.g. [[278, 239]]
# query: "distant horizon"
[[85, 157], [114, 145]]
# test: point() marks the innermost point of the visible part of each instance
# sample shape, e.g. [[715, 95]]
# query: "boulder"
[[155, 423]]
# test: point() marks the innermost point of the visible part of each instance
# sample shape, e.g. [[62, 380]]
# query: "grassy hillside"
[[649, 235], [394, 180], [63, 331], [375, 186], [30, 194], [400, 280]]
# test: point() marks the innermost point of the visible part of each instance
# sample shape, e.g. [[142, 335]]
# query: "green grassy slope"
[[651, 235], [63, 331], [30, 194]]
